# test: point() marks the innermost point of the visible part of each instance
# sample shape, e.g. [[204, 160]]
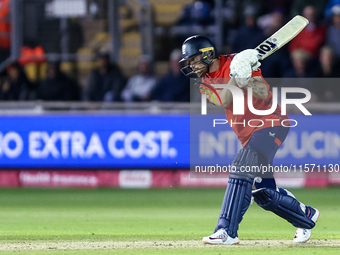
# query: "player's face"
[[198, 67], [336, 20]]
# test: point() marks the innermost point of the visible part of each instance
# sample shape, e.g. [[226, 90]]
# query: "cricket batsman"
[[260, 144]]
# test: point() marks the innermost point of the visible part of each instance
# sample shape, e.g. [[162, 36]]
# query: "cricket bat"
[[284, 35]]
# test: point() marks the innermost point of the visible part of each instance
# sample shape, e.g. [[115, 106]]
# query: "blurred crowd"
[[314, 53], [105, 83]]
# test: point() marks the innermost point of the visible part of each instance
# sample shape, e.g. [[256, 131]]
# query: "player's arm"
[[259, 88], [226, 95]]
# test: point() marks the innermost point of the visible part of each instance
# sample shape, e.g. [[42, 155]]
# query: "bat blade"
[[282, 36]]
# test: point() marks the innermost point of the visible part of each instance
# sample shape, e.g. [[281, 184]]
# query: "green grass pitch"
[[156, 221]]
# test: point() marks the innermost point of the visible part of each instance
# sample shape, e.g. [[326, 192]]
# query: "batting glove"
[[243, 71], [251, 56], [242, 66]]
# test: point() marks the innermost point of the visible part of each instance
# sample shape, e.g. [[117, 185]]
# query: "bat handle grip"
[[233, 74]]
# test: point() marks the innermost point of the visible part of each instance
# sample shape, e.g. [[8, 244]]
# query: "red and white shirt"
[[244, 132]]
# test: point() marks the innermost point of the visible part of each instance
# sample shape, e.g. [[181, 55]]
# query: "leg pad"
[[238, 194], [235, 203], [284, 206]]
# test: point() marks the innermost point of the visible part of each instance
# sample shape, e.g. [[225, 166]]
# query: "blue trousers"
[[237, 198], [266, 142]]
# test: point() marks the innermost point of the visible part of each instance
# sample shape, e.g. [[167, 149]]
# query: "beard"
[[201, 72]]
